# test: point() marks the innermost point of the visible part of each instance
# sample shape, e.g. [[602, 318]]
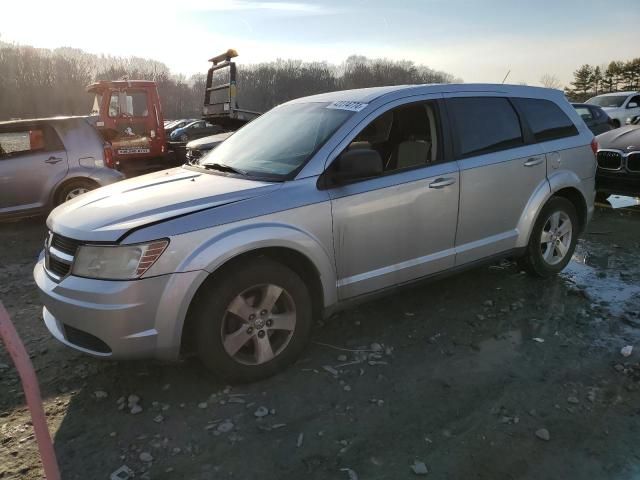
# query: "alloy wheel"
[[258, 324], [75, 192], [555, 240]]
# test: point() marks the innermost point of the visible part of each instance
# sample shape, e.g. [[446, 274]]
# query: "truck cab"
[[129, 115]]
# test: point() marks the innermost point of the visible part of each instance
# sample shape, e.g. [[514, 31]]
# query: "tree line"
[[38, 82], [589, 80]]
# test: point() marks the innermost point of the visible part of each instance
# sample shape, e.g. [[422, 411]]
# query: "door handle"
[[53, 160], [442, 182], [533, 161]]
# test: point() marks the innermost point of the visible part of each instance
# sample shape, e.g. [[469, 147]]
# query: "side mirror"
[[356, 164], [632, 105]]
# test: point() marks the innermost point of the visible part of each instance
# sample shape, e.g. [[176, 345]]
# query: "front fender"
[[219, 249]]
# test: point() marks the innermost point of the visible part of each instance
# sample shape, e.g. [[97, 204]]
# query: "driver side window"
[[405, 137]]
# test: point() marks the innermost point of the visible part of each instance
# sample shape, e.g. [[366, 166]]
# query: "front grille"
[[64, 244], [57, 267], [633, 162], [59, 253], [609, 160], [193, 154], [85, 340]]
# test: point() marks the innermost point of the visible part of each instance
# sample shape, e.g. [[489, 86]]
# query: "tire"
[[616, 123], [184, 137], [72, 189], [534, 261], [242, 290]]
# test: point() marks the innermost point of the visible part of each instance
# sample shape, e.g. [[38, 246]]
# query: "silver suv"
[[319, 203], [45, 162]]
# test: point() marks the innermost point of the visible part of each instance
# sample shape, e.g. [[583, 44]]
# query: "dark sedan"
[[619, 162], [194, 130], [174, 125], [595, 117]]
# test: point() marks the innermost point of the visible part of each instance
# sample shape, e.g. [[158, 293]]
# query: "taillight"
[[108, 156], [594, 145]]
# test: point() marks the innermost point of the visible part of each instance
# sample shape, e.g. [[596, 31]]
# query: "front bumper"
[[620, 182], [118, 319]]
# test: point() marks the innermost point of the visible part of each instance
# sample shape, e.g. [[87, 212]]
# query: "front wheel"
[[553, 239], [255, 320], [184, 137]]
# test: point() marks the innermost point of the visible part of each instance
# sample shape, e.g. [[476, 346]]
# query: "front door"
[[400, 225]]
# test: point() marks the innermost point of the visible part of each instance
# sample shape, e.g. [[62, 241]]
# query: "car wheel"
[[253, 321], [184, 137], [73, 189], [553, 239], [616, 124]]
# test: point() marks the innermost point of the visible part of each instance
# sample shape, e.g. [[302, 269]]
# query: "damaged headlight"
[[119, 262]]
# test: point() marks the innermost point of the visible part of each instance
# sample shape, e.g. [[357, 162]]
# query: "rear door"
[[498, 173], [32, 162], [551, 129], [134, 123]]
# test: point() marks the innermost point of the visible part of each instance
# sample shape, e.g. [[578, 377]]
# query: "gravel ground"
[[489, 374]]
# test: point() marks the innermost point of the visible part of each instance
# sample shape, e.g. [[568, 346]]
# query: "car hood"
[[207, 143], [108, 213], [621, 138]]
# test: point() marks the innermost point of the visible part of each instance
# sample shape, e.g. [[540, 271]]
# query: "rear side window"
[[25, 139], [484, 125], [585, 113], [546, 119]]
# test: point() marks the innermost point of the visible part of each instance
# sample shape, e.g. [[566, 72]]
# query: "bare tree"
[[550, 81], [41, 82]]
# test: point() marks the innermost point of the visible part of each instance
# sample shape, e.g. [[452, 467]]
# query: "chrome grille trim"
[[633, 162], [609, 159], [63, 257], [59, 254]]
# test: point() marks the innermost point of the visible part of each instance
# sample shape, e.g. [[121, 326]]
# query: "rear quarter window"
[[546, 120], [484, 125]]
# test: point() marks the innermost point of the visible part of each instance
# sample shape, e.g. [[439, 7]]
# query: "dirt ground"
[[464, 372]]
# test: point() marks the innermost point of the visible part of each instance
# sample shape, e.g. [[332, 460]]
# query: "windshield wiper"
[[223, 168]]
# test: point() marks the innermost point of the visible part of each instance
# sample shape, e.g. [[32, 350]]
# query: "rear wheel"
[[553, 239], [184, 137], [73, 189], [254, 321]]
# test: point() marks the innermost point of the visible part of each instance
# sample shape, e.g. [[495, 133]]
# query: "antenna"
[[505, 77]]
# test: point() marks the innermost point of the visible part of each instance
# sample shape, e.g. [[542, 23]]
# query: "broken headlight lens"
[[124, 262]]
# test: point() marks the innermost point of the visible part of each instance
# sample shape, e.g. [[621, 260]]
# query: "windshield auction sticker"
[[346, 105]]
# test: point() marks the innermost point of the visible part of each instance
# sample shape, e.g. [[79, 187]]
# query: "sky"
[[475, 40]]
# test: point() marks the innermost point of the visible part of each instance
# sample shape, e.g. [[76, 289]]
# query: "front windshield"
[[281, 141], [608, 101]]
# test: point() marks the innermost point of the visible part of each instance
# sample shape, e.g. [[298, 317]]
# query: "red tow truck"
[[129, 116]]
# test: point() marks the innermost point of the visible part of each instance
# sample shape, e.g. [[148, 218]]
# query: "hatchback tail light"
[[108, 156], [594, 145]]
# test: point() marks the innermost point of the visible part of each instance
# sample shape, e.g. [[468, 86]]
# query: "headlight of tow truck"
[[118, 262]]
